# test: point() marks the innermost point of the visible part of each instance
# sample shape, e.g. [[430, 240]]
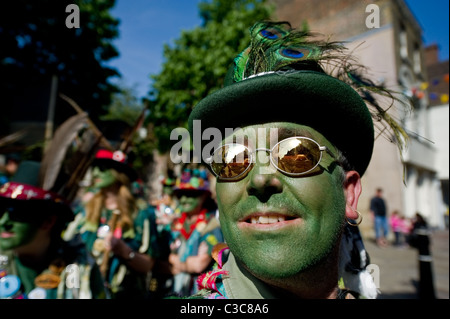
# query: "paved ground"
[[398, 267]]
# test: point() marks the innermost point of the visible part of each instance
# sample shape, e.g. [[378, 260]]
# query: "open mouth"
[[267, 218], [6, 235]]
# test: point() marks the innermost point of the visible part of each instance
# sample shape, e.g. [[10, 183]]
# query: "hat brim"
[[309, 98], [120, 167], [42, 208]]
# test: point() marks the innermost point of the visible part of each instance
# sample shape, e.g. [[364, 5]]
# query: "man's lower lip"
[[6, 235]]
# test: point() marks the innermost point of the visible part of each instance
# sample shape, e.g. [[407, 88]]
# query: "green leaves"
[[37, 44], [196, 63]]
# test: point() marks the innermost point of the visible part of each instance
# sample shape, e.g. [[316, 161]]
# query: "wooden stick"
[[137, 125], [94, 128]]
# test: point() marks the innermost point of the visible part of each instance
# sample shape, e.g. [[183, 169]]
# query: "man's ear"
[[352, 191]]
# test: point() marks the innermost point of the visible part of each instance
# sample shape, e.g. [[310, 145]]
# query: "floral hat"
[[193, 181], [24, 190]]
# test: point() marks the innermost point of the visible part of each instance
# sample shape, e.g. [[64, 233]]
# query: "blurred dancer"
[[119, 233], [35, 262], [194, 232]]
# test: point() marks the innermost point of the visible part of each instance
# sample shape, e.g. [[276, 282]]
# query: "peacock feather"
[[277, 47]]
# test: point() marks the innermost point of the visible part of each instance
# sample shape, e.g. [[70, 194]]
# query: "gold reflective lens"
[[296, 155], [292, 156], [230, 161]]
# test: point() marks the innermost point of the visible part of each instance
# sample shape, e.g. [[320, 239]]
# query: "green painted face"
[[277, 225], [14, 234], [167, 190], [191, 204], [102, 178]]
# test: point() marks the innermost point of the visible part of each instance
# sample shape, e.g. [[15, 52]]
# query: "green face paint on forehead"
[[277, 225]]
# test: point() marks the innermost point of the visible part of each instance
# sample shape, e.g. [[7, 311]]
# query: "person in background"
[[397, 223], [35, 262], [378, 209], [420, 238], [119, 231], [165, 205], [194, 232], [11, 165]]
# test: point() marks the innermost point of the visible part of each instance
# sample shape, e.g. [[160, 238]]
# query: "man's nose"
[[264, 180]]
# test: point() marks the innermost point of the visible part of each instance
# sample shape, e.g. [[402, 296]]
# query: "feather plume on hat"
[[50, 185], [68, 157], [290, 75], [277, 47]]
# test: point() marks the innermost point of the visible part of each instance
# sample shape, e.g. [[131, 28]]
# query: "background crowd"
[[108, 241]]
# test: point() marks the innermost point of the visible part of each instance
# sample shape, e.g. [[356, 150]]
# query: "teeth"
[[263, 219], [268, 219], [272, 219]]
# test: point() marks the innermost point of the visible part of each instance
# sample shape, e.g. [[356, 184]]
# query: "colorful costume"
[[67, 271], [230, 281], [205, 230], [187, 238], [72, 274], [140, 236]]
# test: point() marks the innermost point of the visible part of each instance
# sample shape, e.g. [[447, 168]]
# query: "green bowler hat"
[[278, 79]]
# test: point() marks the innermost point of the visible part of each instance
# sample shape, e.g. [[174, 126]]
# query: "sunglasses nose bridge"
[[261, 156], [262, 160]]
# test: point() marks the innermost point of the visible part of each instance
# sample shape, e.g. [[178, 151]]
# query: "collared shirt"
[[232, 281]]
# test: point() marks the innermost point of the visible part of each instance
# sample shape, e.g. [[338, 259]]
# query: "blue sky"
[[146, 25]]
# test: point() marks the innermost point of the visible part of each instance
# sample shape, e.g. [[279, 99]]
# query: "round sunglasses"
[[293, 156]]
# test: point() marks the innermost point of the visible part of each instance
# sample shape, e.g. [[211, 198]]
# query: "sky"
[[146, 25]]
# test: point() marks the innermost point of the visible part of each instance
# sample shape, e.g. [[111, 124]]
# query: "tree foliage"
[[125, 106], [37, 44], [196, 64]]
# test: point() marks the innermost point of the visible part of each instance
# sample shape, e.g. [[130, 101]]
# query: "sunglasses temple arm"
[[326, 149], [209, 161]]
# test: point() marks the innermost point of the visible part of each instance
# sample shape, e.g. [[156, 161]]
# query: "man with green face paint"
[[194, 232], [296, 141], [35, 262]]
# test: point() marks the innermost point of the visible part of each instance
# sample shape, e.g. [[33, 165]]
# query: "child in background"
[[397, 223]]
